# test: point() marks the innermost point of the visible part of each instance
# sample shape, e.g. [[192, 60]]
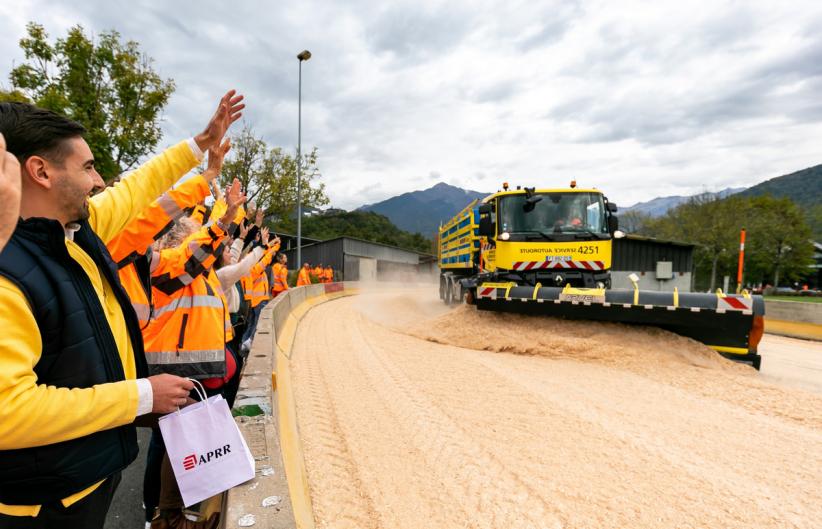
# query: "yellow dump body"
[[459, 241]]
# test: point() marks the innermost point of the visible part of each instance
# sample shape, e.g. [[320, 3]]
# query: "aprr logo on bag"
[[191, 461]]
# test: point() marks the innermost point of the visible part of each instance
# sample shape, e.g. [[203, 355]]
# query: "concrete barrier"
[[278, 497], [799, 311], [796, 319]]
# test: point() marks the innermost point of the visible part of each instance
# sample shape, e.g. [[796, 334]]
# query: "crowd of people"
[[113, 299], [309, 275]]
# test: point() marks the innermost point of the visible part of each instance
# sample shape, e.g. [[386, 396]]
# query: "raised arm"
[[154, 221], [114, 208]]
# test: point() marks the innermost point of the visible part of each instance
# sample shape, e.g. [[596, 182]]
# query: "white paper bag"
[[207, 452]]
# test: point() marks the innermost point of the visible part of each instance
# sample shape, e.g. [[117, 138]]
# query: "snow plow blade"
[[729, 324]]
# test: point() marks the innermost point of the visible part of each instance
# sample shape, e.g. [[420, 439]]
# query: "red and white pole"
[[741, 261]]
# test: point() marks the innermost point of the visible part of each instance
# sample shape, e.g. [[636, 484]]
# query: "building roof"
[[635, 237]]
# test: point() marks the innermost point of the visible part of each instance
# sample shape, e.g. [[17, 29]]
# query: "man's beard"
[[81, 213], [74, 202]]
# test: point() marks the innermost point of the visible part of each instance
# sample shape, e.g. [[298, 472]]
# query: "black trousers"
[[88, 513]]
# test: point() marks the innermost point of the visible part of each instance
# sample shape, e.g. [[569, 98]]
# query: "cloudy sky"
[[640, 99]]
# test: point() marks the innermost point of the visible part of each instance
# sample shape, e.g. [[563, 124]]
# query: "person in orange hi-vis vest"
[[304, 277], [328, 275], [317, 273], [130, 248], [189, 327], [280, 270]]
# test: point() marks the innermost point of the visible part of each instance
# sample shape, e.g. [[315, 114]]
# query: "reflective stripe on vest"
[[185, 302], [169, 206], [185, 357], [143, 312]]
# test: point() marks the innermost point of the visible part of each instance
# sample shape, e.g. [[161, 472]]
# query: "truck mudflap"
[[730, 324]]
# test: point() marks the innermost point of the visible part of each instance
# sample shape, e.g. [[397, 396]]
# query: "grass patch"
[[798, 299], [251, 410]]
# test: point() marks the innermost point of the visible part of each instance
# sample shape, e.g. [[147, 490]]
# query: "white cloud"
[[640, 99]]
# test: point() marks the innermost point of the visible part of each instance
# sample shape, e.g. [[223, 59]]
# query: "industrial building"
[[360, 260], [660, 265]]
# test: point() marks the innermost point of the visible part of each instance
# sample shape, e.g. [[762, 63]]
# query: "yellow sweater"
[[33, 414]]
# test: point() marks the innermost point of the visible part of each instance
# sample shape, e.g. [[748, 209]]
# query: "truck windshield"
[[555, 213]]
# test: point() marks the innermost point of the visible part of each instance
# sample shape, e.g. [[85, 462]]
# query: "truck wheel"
[[449, 292], [442, 288]]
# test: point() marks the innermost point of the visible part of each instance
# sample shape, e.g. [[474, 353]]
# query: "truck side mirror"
[[486, 226], [485, 208], [611, 207], [613, 224]]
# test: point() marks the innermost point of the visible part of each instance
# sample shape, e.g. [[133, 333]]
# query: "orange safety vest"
[[317, 273], [190, 323], [132, 243], [303, 278], [198, 215], [255, 284], [188, 331], [280, 278], [329, 275]]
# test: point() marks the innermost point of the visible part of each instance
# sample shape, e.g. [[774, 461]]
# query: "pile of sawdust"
[[611, 344]]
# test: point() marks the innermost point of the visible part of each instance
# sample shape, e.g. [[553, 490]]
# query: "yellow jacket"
[[34, 415]]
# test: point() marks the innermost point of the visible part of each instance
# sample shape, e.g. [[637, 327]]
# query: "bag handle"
[[198, 387]]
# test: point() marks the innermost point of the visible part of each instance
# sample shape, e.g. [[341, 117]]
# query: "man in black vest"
[[72, 367]]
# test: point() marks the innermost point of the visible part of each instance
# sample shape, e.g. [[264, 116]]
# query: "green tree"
[[633, 221], [778, 243], [270, 177], [779, 240], [711, 224], [814, 218], [366, 225], [107, 85]]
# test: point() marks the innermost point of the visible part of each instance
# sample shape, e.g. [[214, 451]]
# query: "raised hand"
[[215, 189], [216, 156], [234, 198], [228, 111], [244, 227], [264, 236]]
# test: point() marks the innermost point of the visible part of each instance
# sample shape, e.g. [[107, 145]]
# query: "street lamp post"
[[302, 56]]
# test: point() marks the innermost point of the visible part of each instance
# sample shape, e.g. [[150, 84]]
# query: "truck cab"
[[551, 237]]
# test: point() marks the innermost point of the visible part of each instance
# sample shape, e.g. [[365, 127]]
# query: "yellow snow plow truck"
[[548, 251]]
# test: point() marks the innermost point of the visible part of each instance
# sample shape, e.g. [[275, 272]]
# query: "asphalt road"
[[126, 510], [792, 362]]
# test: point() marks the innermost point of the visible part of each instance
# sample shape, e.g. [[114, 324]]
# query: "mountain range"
[[659, 206], [803, 187], [423, 211]]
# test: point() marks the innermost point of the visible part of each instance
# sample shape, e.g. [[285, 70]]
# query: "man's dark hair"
[[30, 131]]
